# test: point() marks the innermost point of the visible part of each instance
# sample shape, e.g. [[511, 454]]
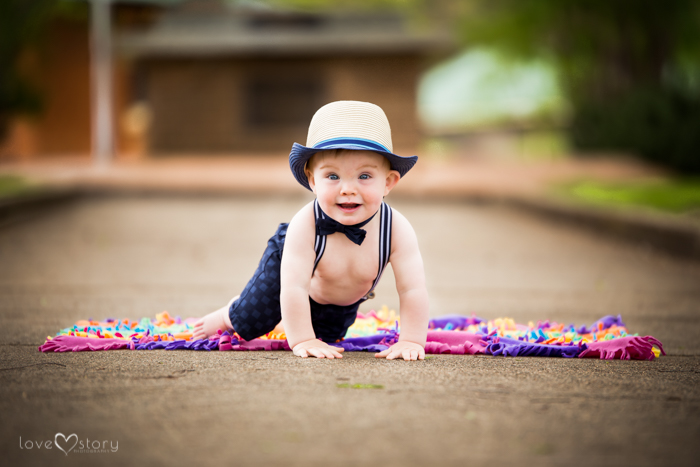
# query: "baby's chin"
[[353, 218]]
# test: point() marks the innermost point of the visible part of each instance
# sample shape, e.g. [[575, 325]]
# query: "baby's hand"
[[405, 349], [318, 349]]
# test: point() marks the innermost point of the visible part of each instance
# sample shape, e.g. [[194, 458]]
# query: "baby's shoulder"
[[399, 223], [305, 214], [403, 237], [304, 222]]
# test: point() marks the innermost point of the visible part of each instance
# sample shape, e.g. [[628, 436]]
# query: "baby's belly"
[[338, 292]]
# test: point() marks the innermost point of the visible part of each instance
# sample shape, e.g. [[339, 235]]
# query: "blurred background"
[[602, 96]]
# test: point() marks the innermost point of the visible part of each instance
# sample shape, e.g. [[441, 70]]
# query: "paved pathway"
[[136, 256]]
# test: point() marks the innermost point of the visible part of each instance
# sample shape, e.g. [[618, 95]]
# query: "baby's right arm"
[[295, 277]]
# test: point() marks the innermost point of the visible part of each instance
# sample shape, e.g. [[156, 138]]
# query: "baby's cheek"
[[371, 184]]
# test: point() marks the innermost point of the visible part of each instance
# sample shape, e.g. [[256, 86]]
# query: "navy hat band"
[[354, 142]]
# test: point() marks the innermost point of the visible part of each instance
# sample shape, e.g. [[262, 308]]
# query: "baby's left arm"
[[407, 264]]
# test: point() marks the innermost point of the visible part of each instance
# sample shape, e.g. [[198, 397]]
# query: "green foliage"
[[659, 125], [21, 23], [631, 70], [674, 196], [598, 45], [22, 27]]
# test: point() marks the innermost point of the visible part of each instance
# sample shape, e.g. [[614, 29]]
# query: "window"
[[282, 100]]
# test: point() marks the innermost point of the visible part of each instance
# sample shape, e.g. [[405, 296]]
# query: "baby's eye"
[[332, 176], [364, 177]]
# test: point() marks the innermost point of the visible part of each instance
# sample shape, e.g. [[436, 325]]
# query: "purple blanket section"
[[450, 322], [375, 343], [607, 321], [515, 348]]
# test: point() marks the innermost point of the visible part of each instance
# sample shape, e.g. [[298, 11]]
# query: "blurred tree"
[[603, 47], [21, 23], [631, 69]]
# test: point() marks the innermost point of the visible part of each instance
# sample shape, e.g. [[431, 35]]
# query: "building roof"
[[211, 28]]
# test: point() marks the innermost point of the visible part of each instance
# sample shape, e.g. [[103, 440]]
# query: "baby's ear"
[[392, 178], [312, 181]]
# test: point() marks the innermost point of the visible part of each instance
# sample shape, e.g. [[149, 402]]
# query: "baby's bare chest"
[[343, 260]]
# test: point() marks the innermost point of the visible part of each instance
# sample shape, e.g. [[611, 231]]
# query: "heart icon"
[[55, 441]]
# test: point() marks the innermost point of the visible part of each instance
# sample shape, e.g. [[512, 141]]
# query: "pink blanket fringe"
[[78, 344], [454, 342], [623, 348]]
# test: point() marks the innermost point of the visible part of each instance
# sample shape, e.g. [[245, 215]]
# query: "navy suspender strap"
[[384, 242], [320, 243]]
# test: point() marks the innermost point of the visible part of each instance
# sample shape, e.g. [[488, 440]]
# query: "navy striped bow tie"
[[327, 226]]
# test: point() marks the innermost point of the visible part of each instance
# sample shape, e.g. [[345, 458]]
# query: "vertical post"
[[101, 82]]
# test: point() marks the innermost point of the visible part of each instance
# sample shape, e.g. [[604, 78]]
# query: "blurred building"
[[202, 76]]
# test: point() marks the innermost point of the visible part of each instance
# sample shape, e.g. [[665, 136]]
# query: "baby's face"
[[350, 185]]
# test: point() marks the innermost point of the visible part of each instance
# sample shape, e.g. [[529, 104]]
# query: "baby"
[[319, 268]]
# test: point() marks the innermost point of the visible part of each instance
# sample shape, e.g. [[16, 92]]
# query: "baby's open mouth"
[[348, 206]]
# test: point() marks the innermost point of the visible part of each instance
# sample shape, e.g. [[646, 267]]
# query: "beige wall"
[[199, 106], [389, 82]]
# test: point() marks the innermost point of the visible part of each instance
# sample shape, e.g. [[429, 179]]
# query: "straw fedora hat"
[[354, 125]]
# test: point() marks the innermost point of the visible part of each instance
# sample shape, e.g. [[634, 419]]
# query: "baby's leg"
[[212, 322]]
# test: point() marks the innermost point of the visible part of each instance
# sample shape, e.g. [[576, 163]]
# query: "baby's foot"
[[211, 323]]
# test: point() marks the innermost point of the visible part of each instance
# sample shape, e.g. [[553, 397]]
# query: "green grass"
[[11, 185], [677, 196]]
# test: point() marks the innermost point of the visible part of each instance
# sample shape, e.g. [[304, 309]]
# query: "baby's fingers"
[[325, 352], [383, 353], [329, 353], [335, 351], [316, 352], [407, 353]]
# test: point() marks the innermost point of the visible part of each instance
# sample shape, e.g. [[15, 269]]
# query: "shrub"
[[659, 125]]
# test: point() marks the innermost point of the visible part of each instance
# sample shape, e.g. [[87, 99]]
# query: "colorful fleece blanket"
[[375, 331]]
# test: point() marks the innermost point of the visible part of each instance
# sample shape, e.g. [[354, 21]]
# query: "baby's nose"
[[348, 187]]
